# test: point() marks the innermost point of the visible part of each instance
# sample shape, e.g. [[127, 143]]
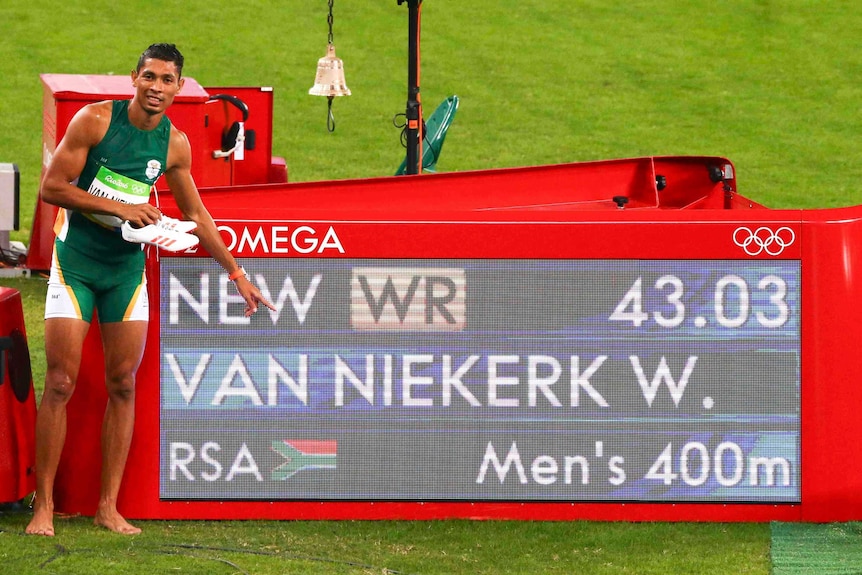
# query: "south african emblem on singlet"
[[154, 168]]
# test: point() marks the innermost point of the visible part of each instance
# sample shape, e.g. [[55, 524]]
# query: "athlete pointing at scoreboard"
[[113, 152]]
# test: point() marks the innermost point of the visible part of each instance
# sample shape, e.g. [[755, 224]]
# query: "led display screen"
[[482, 380]]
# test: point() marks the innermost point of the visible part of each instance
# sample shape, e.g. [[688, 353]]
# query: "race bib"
[[114, 186]]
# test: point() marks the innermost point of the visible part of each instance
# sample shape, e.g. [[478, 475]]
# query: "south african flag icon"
[[304, 455]]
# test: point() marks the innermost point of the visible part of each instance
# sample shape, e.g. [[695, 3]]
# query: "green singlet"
[[93, 266]]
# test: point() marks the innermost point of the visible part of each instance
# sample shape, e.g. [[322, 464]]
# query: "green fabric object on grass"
[[816, 548]]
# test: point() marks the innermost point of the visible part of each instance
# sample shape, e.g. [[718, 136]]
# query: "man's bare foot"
[[115, 522], [42, 522]]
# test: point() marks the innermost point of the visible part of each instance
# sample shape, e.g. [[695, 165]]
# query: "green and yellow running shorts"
[[80, 283]]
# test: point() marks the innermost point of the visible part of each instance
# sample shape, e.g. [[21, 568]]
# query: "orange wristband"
[[237, 274]]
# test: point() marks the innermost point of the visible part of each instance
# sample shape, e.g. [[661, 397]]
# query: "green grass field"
[[772, 85]]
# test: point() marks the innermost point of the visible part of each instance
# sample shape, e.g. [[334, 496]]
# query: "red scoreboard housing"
[[616, 340]]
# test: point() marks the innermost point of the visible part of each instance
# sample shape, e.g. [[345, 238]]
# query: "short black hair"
[[165, 52]]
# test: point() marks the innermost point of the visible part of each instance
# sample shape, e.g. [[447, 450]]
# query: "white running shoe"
[[185, 226], [166, 238]]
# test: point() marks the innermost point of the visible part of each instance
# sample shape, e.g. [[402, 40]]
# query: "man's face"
[[156, 84]]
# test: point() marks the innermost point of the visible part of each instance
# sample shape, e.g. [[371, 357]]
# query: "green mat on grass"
[[817, 548]]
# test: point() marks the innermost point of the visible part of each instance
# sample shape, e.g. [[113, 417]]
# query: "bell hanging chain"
[[329, 20]]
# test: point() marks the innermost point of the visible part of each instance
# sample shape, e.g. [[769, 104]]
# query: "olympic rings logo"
[[763, 239]]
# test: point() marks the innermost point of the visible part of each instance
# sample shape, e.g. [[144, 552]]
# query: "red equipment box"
[[209, 117], [17, 402]]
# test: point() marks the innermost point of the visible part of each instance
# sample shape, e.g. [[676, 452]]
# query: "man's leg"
[[124, 347], [64, 341]]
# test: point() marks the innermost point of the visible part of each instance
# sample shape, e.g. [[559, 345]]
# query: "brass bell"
[[329, 80]]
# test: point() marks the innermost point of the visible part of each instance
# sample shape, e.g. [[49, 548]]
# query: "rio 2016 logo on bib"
[[109, 184]]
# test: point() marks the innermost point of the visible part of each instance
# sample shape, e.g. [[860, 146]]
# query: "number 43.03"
[[731, 305]]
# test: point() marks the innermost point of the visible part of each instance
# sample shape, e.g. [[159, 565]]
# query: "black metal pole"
[[414, 102]]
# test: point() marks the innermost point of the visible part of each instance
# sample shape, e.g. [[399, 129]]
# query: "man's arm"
[[185, 192], [86, 129]]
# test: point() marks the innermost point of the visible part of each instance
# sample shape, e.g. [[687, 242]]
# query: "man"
[[111, 149]]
